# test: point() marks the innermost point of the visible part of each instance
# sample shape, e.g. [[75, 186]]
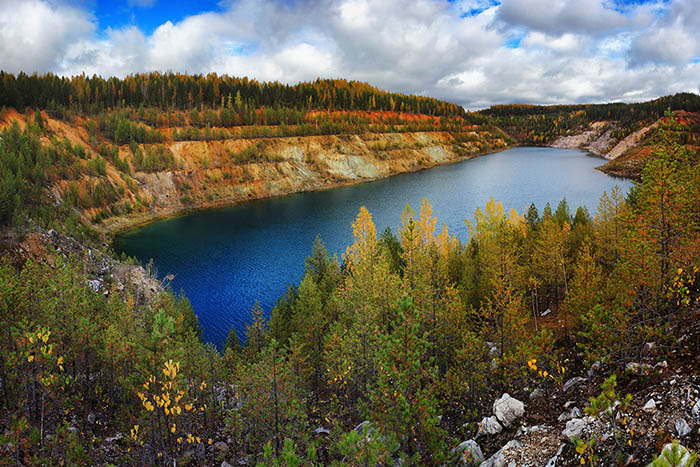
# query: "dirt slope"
[[207, 174]]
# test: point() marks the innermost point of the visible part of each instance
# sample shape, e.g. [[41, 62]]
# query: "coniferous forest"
[[390, 353]]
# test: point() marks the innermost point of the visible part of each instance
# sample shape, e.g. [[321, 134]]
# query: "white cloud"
[[566, 43], [35, 35], [672, 39], [556, 17], [569, 50]]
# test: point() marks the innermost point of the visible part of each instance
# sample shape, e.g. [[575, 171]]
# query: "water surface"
[[226, 259]]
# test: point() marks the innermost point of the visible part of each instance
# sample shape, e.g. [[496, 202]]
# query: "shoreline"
[[123, 225]]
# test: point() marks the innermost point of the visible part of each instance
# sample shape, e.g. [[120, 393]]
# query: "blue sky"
[[146, 14], [472, 52]]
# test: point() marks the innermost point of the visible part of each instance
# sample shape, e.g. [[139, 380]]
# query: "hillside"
[[177, 169], [625, 134], [627, 158], [552, 338]]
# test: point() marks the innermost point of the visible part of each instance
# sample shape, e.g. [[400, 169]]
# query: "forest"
[[388, 353], [535, 124], [184, 92]]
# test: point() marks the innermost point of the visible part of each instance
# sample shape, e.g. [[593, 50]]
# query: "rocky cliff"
[[208, 178], [627, 150], [116, 187]]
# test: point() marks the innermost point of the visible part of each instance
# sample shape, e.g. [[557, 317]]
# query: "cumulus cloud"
[[556, 17], [473, 52], [36, 35], [673, 39]]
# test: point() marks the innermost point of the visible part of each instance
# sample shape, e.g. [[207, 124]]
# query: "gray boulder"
[[469, 453], [573, 413], [682, 427], [490, 426], [650, 406], [507, 409], [499, 459], [573, 382], [573, 428]]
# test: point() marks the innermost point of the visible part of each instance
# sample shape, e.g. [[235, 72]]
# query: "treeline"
[[413, 332], [184, 92], [650, 110], [535, 124]]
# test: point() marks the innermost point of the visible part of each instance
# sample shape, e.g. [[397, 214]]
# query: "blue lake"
[[226, 259]]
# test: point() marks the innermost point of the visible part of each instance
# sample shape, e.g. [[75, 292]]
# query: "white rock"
[[553, 461], [573, 382], [490, 426], [696, 410], [682, 427], [499, 459], [663, 364], [574, 428], [507, 409], [470, 453], [573, 413], [536, 393], [650, 406], [493, 349]]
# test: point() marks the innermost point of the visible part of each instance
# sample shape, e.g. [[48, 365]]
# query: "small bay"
[[226, 259]]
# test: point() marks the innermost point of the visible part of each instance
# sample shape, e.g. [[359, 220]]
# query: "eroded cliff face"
[[627, 156], [208, 177], [600, 139], [207, 174]]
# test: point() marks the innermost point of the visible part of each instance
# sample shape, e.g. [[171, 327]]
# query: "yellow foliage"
[[365, 234], [427, 222]]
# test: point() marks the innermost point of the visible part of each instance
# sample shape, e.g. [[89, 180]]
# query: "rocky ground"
[[104, 273], [541, 428]]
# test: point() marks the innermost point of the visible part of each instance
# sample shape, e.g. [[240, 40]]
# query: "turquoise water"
[[226, 259]]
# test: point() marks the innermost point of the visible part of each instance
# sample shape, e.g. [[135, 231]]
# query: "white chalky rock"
[[507, 409], [490, 425]]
